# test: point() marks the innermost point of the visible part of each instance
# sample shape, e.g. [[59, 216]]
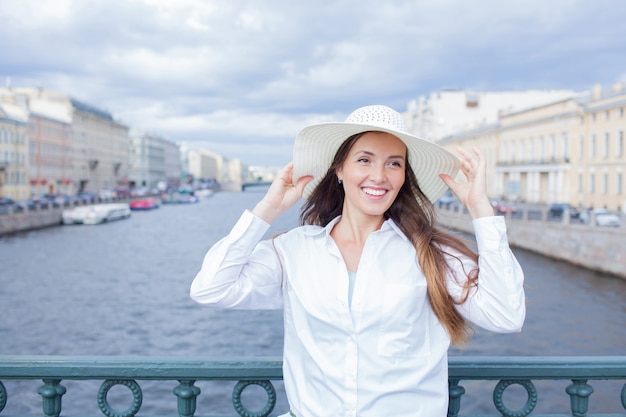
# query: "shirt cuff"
[[248, 227], [490, 233]]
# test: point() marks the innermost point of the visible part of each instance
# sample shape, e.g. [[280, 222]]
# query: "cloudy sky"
[[241, 77]]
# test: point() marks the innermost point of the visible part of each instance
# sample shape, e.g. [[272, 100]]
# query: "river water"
[[122, 289]]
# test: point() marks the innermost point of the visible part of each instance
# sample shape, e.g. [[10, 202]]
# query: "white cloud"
[[250, 72]]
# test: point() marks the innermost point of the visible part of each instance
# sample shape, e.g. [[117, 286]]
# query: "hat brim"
[[316, 146]]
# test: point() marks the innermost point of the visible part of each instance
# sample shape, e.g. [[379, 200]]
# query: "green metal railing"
[[185, 372]]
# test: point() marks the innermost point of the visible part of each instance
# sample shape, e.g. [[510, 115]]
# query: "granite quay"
[[594, 247], [185, 372]]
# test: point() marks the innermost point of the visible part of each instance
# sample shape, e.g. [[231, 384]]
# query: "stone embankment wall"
[[597, 248], [20, 222]]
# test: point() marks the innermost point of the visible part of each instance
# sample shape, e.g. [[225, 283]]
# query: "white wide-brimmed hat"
[[316, 146]]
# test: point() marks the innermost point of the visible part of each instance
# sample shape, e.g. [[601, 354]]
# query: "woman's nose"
[[378, 174]]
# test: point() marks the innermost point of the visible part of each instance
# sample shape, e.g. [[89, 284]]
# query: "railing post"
[[455, 392], [186, 393], [51, 393], [3, 396], [579, 392]]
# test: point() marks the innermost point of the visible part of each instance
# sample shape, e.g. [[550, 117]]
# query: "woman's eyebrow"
[[370, 153]]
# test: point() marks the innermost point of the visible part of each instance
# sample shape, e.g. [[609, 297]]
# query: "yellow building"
[[568, 151]]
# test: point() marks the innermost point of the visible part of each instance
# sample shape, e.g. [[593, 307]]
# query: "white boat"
[[97, 213]]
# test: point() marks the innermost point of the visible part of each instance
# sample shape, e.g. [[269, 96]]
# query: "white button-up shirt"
[[386, 355]]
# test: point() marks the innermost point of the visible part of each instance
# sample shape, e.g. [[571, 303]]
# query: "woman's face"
[[373, 173]]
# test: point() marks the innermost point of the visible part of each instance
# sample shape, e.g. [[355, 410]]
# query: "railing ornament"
[[186, 393], [269, 406], [109, 411], [579, 392], [3, 396], [51, 393], [455, 392], [531, 401]]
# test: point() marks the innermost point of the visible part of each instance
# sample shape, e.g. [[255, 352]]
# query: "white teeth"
[[374, 192]]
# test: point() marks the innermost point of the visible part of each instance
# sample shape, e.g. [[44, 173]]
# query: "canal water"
[[122, 289]]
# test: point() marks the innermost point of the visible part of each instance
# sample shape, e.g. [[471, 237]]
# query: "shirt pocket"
[[405, 326]]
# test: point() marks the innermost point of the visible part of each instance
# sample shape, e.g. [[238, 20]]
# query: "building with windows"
[[50, 148], [448, 111], [155, 162], [565, 151], [99, 147], [13, 152]]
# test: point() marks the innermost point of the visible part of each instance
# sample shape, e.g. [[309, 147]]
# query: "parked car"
[[504, 207], [558, 209], [31, 204], [7, 204], [446, 199], [107, 194], [603, 217], [87, 197]]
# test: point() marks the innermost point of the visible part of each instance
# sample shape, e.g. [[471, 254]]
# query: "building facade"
[[13, 152], [566, 151], [446, 112], [173, 168], [147, 161], [98, 154], [50, 149], [101, 148]]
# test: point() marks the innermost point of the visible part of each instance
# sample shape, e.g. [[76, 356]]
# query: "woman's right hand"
[[282, 194]]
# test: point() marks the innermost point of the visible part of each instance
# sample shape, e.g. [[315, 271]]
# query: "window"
[[565, 146], [592, 147], [553, 147], [581, 146], [605, 183], [607, 114], [619, 184], [607, 144], [620, 143], [580, 183], [592, 180]]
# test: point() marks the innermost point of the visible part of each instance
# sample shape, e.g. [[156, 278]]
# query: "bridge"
[[245, 185]]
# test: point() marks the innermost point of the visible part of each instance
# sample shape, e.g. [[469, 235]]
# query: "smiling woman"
[[369, 275]]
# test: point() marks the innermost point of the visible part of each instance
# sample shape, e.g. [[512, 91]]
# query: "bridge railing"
[[581, 372]]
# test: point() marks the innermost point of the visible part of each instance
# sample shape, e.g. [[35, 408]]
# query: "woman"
[[373, 291]]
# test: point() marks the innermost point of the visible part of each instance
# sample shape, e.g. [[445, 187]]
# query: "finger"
[[448, 180]]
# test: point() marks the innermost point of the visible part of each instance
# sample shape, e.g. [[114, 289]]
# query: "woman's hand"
[[473, 193], [281, 196]]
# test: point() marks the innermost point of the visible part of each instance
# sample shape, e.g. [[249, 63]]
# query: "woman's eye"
[[363, 159]]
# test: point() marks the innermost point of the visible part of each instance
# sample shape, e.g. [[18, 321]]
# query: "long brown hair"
[[415, 215]]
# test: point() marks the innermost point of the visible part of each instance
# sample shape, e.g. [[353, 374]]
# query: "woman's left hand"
[[473, 193]]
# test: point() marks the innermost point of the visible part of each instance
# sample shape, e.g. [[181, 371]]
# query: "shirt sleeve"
[[498, 302], [240, 271]]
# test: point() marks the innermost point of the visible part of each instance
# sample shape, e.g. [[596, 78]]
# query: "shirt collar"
[[388, 225]]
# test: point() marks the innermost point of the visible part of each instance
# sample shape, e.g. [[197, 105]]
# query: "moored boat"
[[147, 203], [179, 198], [95, 214]]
